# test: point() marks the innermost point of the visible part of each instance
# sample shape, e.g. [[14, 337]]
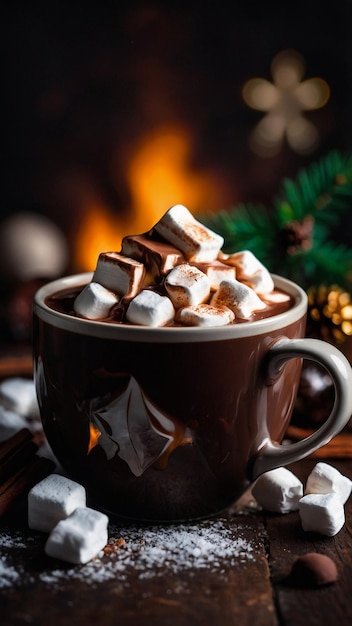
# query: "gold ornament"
[[329, 313]]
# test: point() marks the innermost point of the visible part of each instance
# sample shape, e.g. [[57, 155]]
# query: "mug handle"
[[275, 455]]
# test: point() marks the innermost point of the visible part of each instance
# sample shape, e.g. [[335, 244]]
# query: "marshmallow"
[[240, 298], [149, 308], [119, 273], [186, 285], [249, 270], [278, 490], [205, 315], [79, 537], [159, 257], [276, 297], [10, 423], [325, 478], [245, 262], [18, 394], [196, 241], [261, 282], [322, 513], [52, 500], [216, 272], [95, 302]]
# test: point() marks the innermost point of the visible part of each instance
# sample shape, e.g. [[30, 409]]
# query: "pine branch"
[[243, 227], [323, 191], [293, 237], [331, 263]]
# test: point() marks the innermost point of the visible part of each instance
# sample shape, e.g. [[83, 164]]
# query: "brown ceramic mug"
[[166, 424]]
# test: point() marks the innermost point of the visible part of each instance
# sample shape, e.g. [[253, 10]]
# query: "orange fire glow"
[[99, 232], [93, 438], [159, 174]]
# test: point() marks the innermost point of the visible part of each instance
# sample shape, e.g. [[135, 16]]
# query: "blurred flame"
[[159, 174], [100, 231]]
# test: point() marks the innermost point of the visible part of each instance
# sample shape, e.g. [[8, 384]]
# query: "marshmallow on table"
[[95, 301], [119, 273], [240, 298], [186, 285], [322, 513], [159, 257], [79, 537], [278, 491], [10, 423], [249, 270], [205, 315], [19, 395], [325, 478], [216, 272], [149, 308], [196, 241], [53, 499]]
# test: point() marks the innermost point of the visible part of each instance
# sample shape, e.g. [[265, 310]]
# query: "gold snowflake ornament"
[[283, 101]]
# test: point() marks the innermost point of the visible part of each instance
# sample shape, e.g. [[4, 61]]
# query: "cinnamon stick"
[[16, 365], [19, 484], [20, 467], [339, 447], [16, 441], [15, 452]]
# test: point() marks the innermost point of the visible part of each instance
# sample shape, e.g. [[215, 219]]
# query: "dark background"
[[83, 81], [86, 83]]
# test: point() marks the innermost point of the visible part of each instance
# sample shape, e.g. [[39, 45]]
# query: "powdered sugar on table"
[[146, 551]]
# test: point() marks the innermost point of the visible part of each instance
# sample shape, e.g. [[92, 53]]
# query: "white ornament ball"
[[32, 246]]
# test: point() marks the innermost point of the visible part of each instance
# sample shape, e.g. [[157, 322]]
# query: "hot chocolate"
[[177, 275], [63, 302], [161, 430], [166, 379]]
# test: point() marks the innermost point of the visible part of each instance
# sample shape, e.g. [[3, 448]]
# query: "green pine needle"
[[244, 228], [322, 192]]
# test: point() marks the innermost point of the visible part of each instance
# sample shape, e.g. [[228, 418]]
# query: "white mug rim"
[[167, 334]]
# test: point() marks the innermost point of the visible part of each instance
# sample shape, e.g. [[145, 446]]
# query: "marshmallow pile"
[[77, 533], [176, 273], [321, 506]]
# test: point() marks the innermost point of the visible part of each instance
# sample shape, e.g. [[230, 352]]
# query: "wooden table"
[[234, 572]]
